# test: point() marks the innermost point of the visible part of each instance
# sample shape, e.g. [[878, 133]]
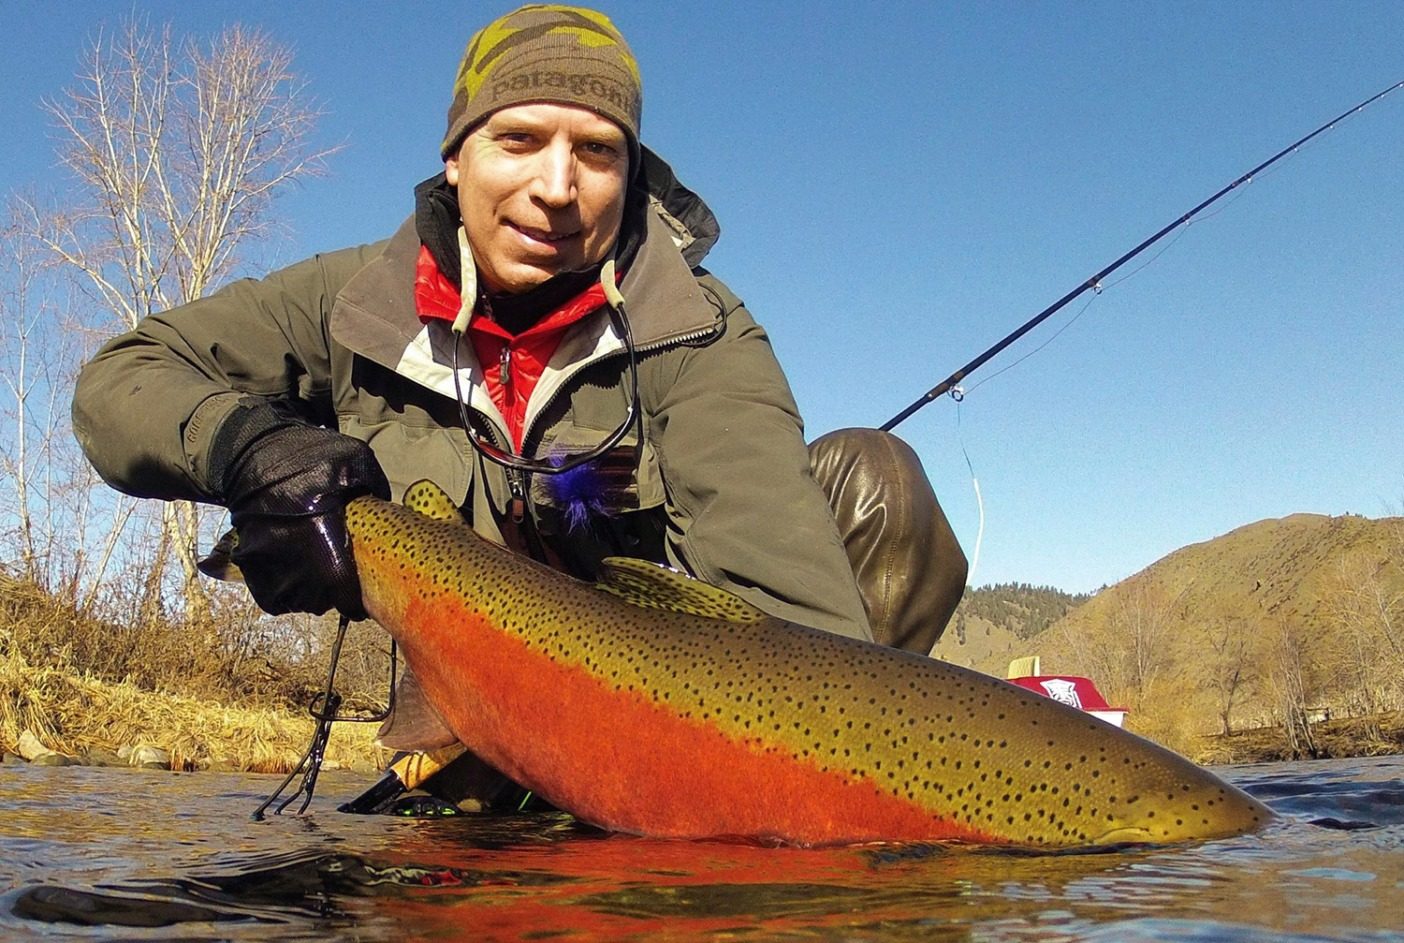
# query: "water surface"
[[90, 853]]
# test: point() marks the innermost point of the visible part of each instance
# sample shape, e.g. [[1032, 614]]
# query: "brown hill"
[[1283, 622], [976, 642], [1278, 622]]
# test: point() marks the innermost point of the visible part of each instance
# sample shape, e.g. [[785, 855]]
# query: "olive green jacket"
[[722, 489]]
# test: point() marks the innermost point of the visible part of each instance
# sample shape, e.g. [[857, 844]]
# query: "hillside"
[[993, 624], [1278, 622], [1295, 570]]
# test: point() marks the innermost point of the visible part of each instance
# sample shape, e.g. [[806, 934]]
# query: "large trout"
[[654, 704]]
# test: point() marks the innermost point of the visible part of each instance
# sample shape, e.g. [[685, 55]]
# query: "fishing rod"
[[1095, 282]]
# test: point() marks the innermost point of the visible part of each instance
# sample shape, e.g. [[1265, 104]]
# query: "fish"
[[654, 704]]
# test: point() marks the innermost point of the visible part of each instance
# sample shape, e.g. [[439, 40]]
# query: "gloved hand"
[[286, 484]]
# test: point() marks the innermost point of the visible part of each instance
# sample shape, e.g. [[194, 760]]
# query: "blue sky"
[[901, 184]]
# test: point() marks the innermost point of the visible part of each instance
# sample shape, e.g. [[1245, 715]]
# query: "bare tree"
[[1136, 650], [1128, 644], [176, 152], [50, 535], [1365, 609], [20, 320], [1291, 676], [1230, 669]]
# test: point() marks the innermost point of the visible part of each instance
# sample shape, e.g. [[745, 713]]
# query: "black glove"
[[286, 484]]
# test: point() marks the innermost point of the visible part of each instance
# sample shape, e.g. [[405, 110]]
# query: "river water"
[[88, 853]]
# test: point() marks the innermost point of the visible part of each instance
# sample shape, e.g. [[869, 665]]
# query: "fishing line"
[[1097, 285], [958, 393], [1097, 292], [965, 391], [979, 500]]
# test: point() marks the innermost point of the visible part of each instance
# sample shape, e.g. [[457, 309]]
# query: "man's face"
[[541, 190]]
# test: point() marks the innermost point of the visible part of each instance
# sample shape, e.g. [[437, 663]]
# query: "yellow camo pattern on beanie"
[[546, 53]]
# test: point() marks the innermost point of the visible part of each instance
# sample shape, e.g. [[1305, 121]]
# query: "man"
[[485, 345]]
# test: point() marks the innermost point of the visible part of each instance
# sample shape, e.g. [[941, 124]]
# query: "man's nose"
[[555, 177]]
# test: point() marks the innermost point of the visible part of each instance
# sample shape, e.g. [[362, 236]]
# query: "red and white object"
[[1075, 692]]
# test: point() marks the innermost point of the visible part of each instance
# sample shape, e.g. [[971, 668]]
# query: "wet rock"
[[219, 765], [145, 756], [31, 749], [29, 746], [11, 758], [97, 756]]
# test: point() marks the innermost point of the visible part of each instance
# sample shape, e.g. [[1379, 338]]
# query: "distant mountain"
[[1277, 622]]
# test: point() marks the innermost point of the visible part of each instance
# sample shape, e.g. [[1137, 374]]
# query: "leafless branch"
[[176, 151]]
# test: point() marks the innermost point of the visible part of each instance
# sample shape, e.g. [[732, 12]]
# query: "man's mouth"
[[549, 236]]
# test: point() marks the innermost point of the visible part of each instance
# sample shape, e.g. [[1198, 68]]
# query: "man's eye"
[[600, 149]]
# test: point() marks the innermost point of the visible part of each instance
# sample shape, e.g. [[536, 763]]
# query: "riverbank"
[[143, 690], [60, 718], [1380, 735]]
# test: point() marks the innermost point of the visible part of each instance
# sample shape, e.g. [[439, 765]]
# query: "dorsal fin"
[[432, 501], [653, 586]]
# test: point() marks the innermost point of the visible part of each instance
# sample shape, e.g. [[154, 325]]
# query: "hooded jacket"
[[718, 484]]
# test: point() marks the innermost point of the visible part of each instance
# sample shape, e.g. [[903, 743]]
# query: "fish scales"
[[669, 723]]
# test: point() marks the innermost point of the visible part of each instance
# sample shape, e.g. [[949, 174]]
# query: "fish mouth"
[[1123, 835]]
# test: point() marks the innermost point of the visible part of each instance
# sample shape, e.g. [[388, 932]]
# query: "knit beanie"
[[547, 53]]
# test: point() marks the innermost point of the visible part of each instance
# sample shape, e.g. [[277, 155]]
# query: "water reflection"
[[99, 854]]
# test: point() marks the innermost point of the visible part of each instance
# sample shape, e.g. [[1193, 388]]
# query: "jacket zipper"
[[504, 357], [516, 486], [516, 481], [517, 506]]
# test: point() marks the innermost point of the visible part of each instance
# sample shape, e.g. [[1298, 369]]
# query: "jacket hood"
[[695, 227]]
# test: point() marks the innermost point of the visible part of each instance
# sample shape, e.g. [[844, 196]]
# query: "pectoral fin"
[[414, 724]]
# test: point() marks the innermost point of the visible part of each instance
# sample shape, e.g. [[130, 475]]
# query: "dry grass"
[[1172, 722], [76, 714], [82, 684]]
